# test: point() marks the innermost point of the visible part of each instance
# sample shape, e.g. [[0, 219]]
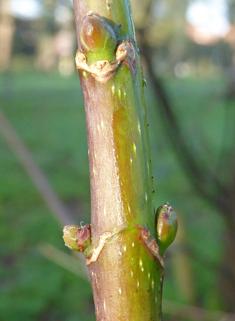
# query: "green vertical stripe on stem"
[[126, 275]]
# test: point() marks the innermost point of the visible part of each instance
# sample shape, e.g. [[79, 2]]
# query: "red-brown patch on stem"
[[83, 235], [151, 245]]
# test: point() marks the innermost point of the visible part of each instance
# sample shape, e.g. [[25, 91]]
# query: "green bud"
[[166, 227], [77, 238], [97, 38]]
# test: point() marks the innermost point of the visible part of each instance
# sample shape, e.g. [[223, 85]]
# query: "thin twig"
[[68, 262], [38, 178]]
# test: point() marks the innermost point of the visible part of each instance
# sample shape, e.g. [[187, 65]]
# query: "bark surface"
[[125, 266]]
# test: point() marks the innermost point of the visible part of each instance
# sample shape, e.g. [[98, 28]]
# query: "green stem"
[[124, 263]]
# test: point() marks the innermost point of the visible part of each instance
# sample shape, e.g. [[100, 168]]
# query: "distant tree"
[[7, 28]]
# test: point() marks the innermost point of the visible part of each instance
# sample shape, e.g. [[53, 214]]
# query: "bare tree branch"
[[201, 176], [38, 178]]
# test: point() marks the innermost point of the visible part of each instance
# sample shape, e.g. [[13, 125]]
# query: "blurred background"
[[188, 54]]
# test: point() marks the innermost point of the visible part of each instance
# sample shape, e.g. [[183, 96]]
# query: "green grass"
[[48, 113]]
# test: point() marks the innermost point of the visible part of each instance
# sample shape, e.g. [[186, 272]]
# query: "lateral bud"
[[103, 70], [97, 36], [78, 238], [166, 224]]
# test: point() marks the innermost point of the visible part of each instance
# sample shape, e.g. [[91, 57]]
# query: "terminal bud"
[[166, 224]]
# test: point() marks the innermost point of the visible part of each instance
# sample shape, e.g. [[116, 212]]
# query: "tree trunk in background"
[[7, 28], [227, 274], [208, 183]]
